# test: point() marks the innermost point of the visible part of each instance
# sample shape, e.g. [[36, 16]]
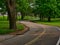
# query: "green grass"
[[54, 22], [3, 18], [31, 18], [20, 26], [4, 27]]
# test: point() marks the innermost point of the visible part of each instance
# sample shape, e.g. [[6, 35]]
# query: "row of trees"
[[47, 8], [42, 8]]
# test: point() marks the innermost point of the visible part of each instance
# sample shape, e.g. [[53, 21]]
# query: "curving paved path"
[[37, 35]]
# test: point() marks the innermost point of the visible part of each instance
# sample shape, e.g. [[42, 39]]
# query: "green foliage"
[[46, 7], [2, 7], [22, 6]]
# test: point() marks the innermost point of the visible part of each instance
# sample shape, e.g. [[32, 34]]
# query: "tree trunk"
[[22, 15], [49, 18], [41, 17], [3, 17], [10, 4]]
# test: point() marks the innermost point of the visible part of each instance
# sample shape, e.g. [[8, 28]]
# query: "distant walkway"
[[37, 35]]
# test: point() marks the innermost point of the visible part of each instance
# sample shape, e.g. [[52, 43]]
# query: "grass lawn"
[[4, 27], [3, 18], [54, 22]]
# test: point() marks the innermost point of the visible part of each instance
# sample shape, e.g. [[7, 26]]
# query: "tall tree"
[[10, 5]]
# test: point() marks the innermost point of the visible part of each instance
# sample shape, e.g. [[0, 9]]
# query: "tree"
[[10, 5], [22, 6], [46, 8], [58, 6]]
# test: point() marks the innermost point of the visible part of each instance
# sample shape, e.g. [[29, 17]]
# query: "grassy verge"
[[4, 27], [54, 22]]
